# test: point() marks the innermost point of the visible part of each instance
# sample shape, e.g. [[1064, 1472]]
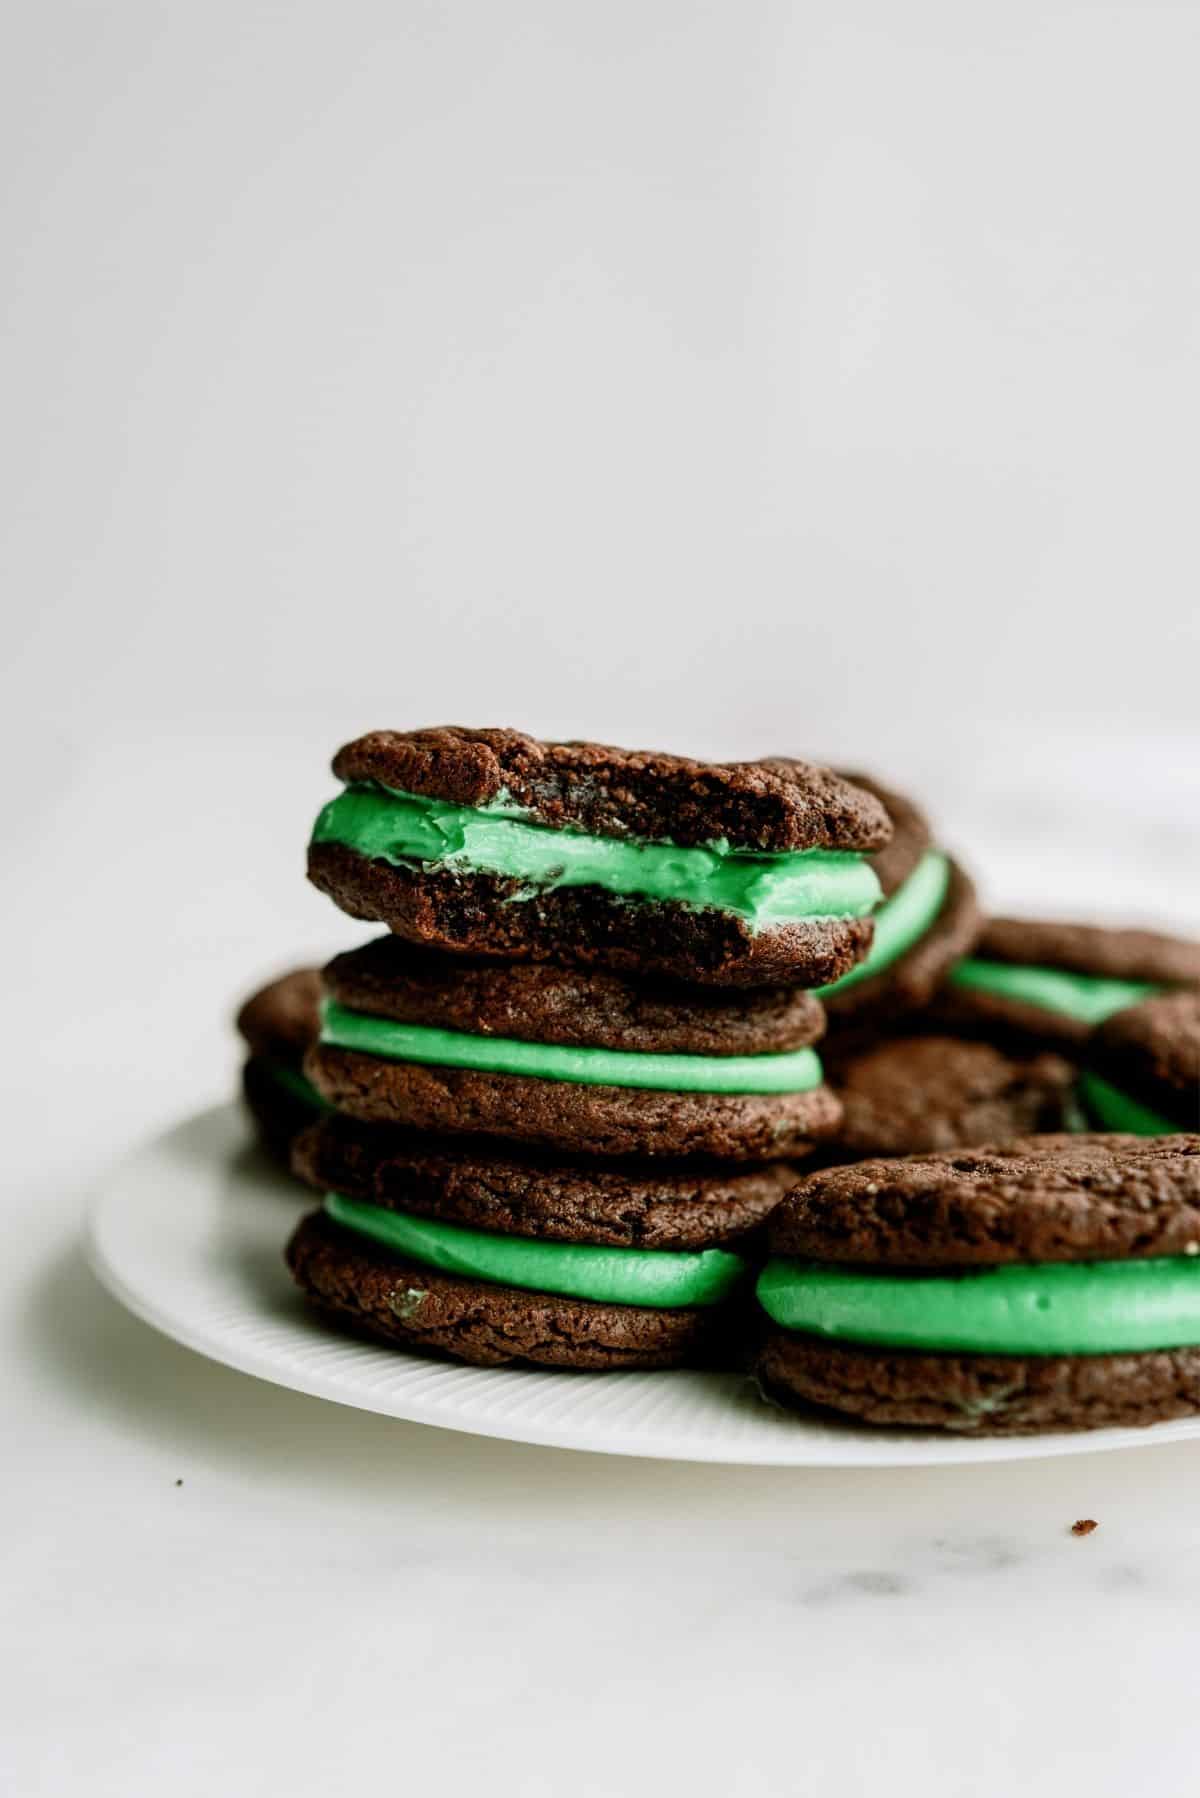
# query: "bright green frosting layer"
[[796, 1072], [903, 919], [1061, 1308], [1115, 1110], [577, 1270], [1089, 998], [403, 828]]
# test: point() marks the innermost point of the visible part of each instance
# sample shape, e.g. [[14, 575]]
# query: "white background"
[[734, 377], [718, 370]]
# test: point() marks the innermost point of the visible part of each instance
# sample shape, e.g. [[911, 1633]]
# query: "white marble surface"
[[329, 1598]]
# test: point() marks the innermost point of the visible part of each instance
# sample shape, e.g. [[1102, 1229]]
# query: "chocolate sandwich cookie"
[[1052, 1283], [567, 1058], [1143, 1067], [928, 921], [490, 843], [1051, 985], [279, 1023], [904, 1094], [493, 1257]]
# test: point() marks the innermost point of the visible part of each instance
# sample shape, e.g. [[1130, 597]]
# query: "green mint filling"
[[796, 1071], [655, 1277], [1059, 1308], [1115, 1110], [1088, 998], [405, 828], [901, 920]]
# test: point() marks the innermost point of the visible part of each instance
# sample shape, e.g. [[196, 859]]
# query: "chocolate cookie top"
[[1152, 1051], [911, 833], [622, 1205], [903, 1095], [282, 1019], [1039, 1198], [1091, 949], [547, 1003], [774, 804]]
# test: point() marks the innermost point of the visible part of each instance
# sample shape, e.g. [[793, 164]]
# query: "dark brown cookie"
[[278, 1024], [280, 1020], [911, 980], [1040, 1198], [979, 1395], [560, 1114], [776, 803], [545, 1002], [486, 915], [903, 1095], [279, 1107], [1139, 955], [1152, 1052], [416, 1307], [522, 1193], [1093, 949], [911, 832], [769, 806]]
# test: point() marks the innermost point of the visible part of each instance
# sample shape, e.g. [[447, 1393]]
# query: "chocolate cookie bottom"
[[560, 1114], [409, 1305], [489, 915], [979, 1395]]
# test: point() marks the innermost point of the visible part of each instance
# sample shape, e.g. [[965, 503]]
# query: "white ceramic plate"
[[188, 1233]]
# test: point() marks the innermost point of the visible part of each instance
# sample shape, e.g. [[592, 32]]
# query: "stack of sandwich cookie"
[[1052, 1283], [928, 921], [572, 1084], [494, 1255], [279, 1024], [488, 842]]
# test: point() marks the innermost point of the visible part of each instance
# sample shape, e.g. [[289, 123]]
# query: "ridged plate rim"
[[187, 1231]]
